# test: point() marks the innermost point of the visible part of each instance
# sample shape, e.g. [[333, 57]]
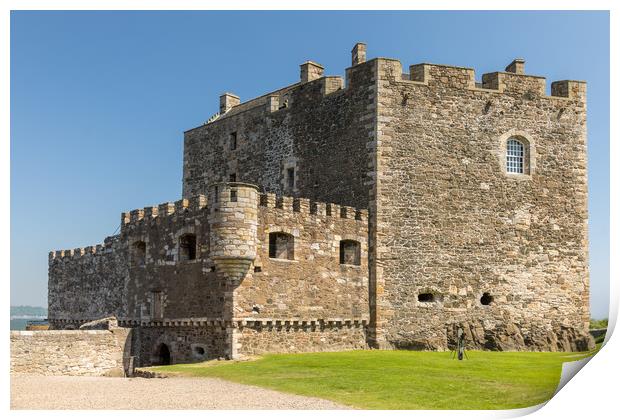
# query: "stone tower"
[[233, 218]]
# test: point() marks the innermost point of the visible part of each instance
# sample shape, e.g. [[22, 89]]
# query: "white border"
[[592, 395]]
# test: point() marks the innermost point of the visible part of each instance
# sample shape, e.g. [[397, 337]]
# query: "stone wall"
[[185, 302], [319, 129], [161, 279], [313, 284], [185, 343], [297, 338], [75, 353], [452, 223], [88, 283]]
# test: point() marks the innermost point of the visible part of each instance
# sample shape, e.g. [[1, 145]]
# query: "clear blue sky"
[[100, 100]]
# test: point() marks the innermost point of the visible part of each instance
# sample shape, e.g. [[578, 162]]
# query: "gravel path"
[[82, 392]]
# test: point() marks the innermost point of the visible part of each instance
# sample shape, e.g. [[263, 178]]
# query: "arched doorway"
[[162, 355]]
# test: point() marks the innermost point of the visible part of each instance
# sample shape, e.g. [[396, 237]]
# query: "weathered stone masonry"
[[75, 353], [453, 222], [232, 293], [253, 260]]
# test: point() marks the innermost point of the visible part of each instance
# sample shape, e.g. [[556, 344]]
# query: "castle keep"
[[383, 211]]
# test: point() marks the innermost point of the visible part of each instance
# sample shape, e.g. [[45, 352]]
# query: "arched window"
[[187, 247], [281, 245], [515, 156], [349, 252]]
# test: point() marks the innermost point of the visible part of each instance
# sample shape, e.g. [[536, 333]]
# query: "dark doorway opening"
[[163, 355]]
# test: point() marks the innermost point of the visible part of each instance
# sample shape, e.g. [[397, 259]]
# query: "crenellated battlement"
[[278, 100], [309, 207], [271, 200], [106, 247], [169, 209], [512, 80]]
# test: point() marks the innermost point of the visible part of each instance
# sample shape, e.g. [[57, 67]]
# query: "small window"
[[139, 253], [233, 141], [486, 299], [426, 297], [232, 177], [350, 252], [515, 157], [233, 195], [281, 245], [290, 178], [216, 192], [187, 247]]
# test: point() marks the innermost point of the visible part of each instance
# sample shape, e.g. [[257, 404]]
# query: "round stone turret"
[[233, 219]]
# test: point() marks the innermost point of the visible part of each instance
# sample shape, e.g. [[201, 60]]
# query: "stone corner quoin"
[[384, 210]]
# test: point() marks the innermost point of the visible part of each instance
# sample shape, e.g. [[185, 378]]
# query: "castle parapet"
[[307, 206], [313, 82], [512, 80], [571, 89], [437, 74], [76, 253], [169, 209]]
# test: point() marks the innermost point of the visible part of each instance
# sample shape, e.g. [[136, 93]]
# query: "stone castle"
[[380, 211]]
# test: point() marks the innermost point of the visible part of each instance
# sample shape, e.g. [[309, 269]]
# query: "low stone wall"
[[254, 341], [70, 352]]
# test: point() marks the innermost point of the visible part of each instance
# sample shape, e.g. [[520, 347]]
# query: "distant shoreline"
[[22, 314], [28, 317]]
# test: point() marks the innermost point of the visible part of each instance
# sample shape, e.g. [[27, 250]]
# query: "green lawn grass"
[[400, 379]]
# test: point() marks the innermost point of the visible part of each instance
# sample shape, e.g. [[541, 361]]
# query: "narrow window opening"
[[350, 252], [290, 178], [515, 157], [139, 253], [232, 177], [216, 191], [486, 299], [233, 140], [281, 245], [233, 195], [426, 297], [187, 247], [258, 269]]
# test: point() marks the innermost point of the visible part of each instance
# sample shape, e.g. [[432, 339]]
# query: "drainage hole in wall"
[[486, 298], [426, 297]]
